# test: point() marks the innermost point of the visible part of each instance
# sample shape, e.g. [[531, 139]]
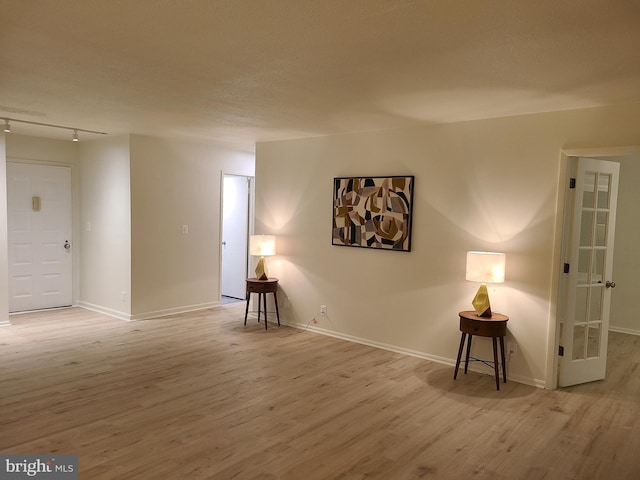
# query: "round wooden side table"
[[495, 327], [262, 287]]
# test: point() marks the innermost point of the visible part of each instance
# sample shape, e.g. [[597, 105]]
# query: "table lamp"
[[484, 267], [262, 246]]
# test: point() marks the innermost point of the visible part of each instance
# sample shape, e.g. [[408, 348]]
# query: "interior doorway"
[[236, 227], [621, 308]]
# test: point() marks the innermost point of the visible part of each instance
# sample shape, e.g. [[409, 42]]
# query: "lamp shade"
[[262, 245], [485, 267]]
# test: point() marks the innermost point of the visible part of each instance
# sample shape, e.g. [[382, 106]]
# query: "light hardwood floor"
[[201, 396]]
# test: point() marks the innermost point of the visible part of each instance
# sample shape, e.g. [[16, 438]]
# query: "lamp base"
[[481, 302], [261, 270]]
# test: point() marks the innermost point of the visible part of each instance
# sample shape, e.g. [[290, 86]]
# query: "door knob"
[[67, 245], [610, 284]]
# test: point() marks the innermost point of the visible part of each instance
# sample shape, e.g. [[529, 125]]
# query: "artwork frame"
[[373, 212]]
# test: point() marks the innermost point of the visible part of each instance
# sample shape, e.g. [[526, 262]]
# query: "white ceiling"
[[243, 71]]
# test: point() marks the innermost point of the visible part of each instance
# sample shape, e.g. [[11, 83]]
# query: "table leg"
[[259, 304], [466, 363], [455, 373], [275, 299], [246, 310], [264, 296], [495, 362], [504, 361]]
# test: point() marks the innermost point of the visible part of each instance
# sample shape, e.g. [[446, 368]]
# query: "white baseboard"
[[174, 311], [371, 343], [413, 353], [105, 310], [147, 315], [628, 331]]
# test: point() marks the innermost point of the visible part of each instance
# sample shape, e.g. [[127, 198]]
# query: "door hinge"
[[572, 183], [566, 268], [561, 350]]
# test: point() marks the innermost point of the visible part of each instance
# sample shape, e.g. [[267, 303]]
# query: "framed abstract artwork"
[[373, 212]]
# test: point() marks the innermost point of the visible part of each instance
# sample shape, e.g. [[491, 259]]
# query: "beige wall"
[[174, 184], [626, 262], [105, 225], [482, 185], [41, 150]]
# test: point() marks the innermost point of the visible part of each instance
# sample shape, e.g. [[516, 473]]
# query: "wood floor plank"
[[201, 396]]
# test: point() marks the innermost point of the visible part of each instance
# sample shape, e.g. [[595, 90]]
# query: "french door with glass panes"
[[588, 282]]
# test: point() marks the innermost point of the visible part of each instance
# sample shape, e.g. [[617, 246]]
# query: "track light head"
[[75, 136], [7, 126]]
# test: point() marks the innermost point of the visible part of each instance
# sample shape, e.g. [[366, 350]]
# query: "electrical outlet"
[[323, 309], [512, 349]]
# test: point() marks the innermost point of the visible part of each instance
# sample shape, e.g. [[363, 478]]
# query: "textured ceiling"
[[242, 71]]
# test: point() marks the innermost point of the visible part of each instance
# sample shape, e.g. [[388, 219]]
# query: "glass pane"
[[601, 229], [584, 265], [598, 266], [579, 336], [595, 303], [586, 228], [593, 343], [581, 304], [604, 180], [588, 197]]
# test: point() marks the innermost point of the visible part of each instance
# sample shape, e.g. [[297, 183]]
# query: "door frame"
[[75, 223], [252, 182], [562, 210]]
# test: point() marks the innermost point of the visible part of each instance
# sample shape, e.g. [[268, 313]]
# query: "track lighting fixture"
[[74, 136]]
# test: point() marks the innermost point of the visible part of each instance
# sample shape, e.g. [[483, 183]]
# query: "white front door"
[[39, 230], [235, 234], [588, 281]]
